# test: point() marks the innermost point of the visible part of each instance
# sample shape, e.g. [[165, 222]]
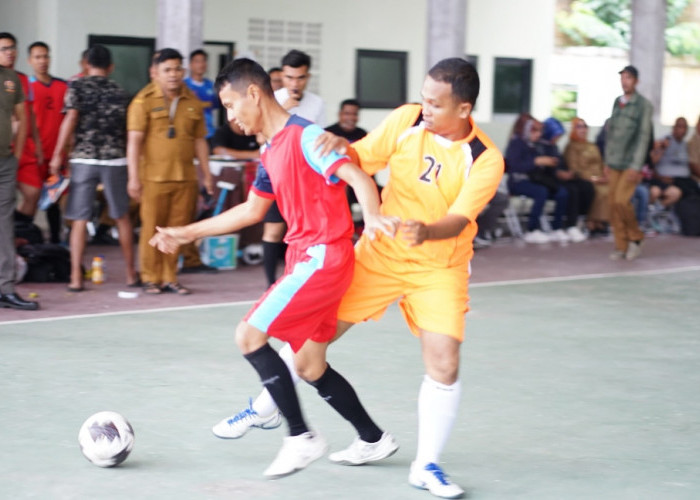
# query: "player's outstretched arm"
[[328, 142], [416, 232], [367, 196], [168, 239]]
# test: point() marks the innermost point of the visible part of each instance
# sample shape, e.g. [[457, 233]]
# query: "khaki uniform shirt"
[[10, 95], [167, 159]]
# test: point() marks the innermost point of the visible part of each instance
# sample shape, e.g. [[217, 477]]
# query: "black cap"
[[631, 70]]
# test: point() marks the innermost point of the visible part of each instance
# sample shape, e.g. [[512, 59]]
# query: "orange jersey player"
[[443, 172]]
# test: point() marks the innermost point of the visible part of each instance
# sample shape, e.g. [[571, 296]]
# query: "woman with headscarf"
[[581, 191], [531, 174], [584, 159]]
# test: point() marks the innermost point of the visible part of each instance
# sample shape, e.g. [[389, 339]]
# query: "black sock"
[[272, 254], [20, 217], [275, 376], [53, 215], [342, 397]]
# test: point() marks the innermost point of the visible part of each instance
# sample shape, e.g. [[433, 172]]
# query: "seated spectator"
[[230, 140], [671, 178], [581, 191], [532, 173], [584, 160], [488, 218]]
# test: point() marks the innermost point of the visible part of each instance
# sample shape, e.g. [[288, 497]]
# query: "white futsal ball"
[[253, 254], [106, 438]]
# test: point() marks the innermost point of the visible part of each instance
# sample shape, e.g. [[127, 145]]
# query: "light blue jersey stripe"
[[287, 288], [313, 157]]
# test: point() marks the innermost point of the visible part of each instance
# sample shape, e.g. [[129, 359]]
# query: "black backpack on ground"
[[46, 262], [28, 231], [688, 211]]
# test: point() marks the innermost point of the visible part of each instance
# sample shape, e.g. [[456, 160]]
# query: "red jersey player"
[[301, 307], [48, 93]]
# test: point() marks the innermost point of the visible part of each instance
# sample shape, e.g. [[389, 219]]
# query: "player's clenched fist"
[[169, 239], [414, 232]]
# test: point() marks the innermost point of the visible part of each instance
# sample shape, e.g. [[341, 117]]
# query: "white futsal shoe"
[[361, 452], [296, 453], [537, 237], [432, 478], [237, 425]]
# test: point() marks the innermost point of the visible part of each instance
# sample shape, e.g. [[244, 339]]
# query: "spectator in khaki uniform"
[[11, 105], [166, 126]]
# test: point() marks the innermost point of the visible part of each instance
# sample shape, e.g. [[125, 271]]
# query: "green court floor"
[[572, 389]]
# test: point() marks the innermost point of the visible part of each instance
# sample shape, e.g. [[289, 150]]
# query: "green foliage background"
[[606, 23]]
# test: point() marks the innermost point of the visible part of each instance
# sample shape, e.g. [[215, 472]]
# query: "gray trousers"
[[8, 186]]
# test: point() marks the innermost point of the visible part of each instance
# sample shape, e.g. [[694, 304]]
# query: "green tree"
[[606, 23]]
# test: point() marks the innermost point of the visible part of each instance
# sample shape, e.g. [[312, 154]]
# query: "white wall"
[[361, 24], [495, 28], [505, 28], [65, 25]]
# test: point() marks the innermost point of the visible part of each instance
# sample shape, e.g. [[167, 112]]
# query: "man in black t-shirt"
[[229, 140], [346, 126]]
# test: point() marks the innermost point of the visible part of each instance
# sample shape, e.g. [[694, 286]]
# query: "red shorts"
[[30, 173], [303, 304]]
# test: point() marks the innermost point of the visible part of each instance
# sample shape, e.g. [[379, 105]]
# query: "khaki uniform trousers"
[[622, 217], [163, 204]]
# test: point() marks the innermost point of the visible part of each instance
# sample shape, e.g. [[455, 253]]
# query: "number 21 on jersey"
[[433, 165]]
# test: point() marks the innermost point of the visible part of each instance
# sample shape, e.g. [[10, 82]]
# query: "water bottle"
[[98, 272]]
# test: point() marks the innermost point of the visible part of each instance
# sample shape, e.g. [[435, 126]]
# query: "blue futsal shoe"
[[237, 425]]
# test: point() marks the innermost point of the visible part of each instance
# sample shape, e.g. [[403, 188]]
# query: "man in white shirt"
[[294, 98]]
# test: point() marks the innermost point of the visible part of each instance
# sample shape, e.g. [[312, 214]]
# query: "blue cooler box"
[[220, 251]]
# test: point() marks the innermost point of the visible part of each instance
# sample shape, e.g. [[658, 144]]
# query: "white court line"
[[528, 281], [576, 277], [119, 313]]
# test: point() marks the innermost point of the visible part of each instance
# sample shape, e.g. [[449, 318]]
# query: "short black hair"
[[272, 70], [296, 59], [350, 102], [167, 54], [84, 53], [99, 56], [5, 34], [38, 44], [154, 58], [459, 73], [240, 73], [199, 52]]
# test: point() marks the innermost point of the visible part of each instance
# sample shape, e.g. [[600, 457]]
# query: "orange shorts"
[[30, 173], [430, 299]]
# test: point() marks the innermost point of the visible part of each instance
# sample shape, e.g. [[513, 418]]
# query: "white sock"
[[437, 410], [264, 405]]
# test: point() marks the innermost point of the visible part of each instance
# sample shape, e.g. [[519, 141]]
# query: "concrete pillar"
[[648, 47], [180, 25], [446, 37]]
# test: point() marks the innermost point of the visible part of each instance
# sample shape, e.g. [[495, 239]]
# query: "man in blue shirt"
[[203, 87]]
